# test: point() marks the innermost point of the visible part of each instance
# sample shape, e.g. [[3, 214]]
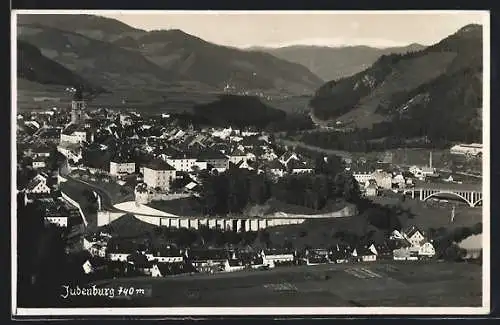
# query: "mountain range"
[[436, 92], [115, 56], [331, 63]]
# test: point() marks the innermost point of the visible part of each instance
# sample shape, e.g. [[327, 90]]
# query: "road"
[[104, 194], [290, 143]]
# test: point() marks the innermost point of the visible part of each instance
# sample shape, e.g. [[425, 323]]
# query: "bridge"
[[470, 194]]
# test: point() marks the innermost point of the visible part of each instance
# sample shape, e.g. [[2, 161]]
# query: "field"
[[176, 98], [384, 284]]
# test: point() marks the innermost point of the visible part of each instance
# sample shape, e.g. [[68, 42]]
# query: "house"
[[233, 265], [126, 120], [41, 152], [276, 168], [167, 255], [473, 246], [121, 166], [271, 257], [339, 255], [473, 149], [74, 133], [269, 155], [237, 156], [362, 177], [54, 211], [207, 260], [317, 256], [404, 254], [287, 157], [383, 179], [371, 190], [164, 269], [39, 162], [182, 162], [215, 158], [159, 174], [140, 263], [399, 180], [120, 250], [244, 164], [98, 249], [250, 156], [414, 236], [71, 151], [422, 172], [92, 239], [298, 167], [426, 250], [38, 185], [365, 254]]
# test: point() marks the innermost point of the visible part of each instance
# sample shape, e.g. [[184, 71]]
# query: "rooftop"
[[158, 164]]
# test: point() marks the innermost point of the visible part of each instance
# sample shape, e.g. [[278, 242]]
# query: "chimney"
[[430, 159]]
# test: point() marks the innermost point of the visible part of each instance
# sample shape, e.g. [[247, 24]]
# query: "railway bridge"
[[470, 194]]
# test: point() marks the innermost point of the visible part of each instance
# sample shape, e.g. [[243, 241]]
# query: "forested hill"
[[333, 63], [33, 66], [436, 92], [238, 111], [117, 56]]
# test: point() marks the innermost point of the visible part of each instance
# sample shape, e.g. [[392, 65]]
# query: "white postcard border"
[[208, 311]]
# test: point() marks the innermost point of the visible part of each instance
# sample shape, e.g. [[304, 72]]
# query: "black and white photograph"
[[186, 163]]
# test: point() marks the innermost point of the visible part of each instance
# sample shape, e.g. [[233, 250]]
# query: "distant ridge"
[[331, 63]]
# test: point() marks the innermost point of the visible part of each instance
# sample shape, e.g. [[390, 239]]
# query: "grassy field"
[[384, 284]]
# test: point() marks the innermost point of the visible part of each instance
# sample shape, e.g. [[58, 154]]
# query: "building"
[[473, 149], [233, 265], [119, 166], [473, 246], [77, 106], [54, 212], [273, 257], [383, 179], [426, 250], [237, 156], [362, 177], [298, 167], [39, 163], [216, 159], [38, 185], [287, 157], [208, 260], [182, 162], [41, 152], [159, 174], [74, 133], [414, 236], [71, 151], [167, 255], [276, 168], [371, 190], [422, 172]]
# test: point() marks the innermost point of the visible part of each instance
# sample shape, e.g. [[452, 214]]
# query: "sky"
[[275, 29]]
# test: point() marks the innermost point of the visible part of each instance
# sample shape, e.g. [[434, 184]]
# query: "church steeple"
[[77, 106]]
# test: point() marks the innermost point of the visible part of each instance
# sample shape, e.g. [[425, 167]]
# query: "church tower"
[[77, 106]]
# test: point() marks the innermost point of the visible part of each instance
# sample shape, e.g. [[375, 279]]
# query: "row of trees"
[[43, 265], [205, 237], [446, 241], [233, 190]]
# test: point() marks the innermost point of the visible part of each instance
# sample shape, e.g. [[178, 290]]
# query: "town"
[[96, 173]]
